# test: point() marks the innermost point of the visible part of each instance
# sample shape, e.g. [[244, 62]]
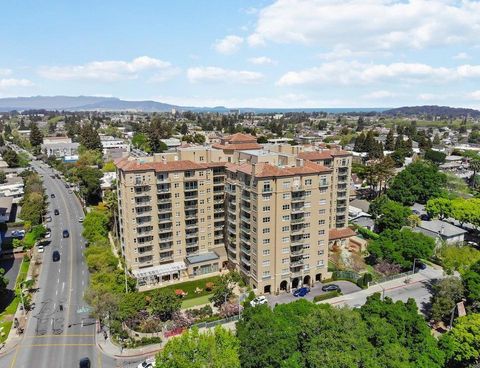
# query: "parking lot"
[[347, 287]]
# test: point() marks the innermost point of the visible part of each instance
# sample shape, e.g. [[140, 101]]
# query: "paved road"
[[59, 331], [419, 288]]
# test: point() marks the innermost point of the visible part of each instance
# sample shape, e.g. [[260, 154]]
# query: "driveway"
[[347, 287]]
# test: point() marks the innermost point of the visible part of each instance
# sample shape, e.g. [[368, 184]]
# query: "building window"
[[266, 197], [321, 252], [266, 274], [266, 230], [266, 263], [266, 252], [286, 207], [285, 250], [266, 187], [308, 181], [176, 185], [285, 239], [321, 222], [266, 241], [286, 218], [285, 228], [322, 202], [286, 184], [266, 219], [321, 242], [266, 208], [321, 212], [286, 195], [285, 260], [321, 232]]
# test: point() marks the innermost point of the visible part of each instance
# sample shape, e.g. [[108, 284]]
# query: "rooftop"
[[334, 234], [441, 228], [264, 170]]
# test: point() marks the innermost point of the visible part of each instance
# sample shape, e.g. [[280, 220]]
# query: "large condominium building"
[[270, 212]]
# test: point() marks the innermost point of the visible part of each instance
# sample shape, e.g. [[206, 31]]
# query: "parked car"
[[40, 249], [80, 219], [84, 363], [425, 217], [301, 292], [18, 233], [56, 256], [52, 195], [420, 266], [56, 211], [65, 234], [48, 234], [147, 363], [259, 300], [330, 287], [48, 219]]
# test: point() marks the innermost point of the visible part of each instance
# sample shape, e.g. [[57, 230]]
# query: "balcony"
[[297, 220], [167, 209], [166, 246], [191, 215], [164, 220], [190, 207], [191, 195], [296, 265], [298, 198], [165, 239], [191, 234], [191, 225], [342, 178], [296, 230], [298, 209], [164, 199], [246, 250], [163, 188], [245, 261], [297, 252], [191, 245]]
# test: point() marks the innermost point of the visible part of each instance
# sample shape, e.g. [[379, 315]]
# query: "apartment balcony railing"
[[245, 261], [298, 198], [164, 200], [297, 210], [296, 253], [191, 245], [246, 250], [166, 239], [296, 265], [191, 226], [163, 220], [297, 220], [190, 207], [164, 209]]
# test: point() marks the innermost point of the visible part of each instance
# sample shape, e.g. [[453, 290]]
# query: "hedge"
[[327, 295]]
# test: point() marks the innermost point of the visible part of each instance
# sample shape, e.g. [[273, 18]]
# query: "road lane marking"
[[99, 360], [14, 359], [51, 345]]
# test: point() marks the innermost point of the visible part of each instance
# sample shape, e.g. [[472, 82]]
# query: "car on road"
[[147, 363], [56, 212], [425, 217], [56, 256], [48, 234], [40, 249], [52, 195], [80, 219], [330, 287], [420, 266], [259, 300], [65, 234], [18, 233], [84, 363], [48, 219], [301, 292], [52, 176]]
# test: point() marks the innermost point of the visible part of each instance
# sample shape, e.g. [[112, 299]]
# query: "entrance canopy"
[[166, 269]]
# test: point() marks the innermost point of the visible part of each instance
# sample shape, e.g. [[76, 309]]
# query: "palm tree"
[[475, 167]]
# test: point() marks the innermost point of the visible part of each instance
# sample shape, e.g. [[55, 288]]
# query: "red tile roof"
[[133, 165], [340, 233], [266, 170], [240, 138]]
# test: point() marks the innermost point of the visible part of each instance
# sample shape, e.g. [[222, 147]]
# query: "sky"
[[282, 53]]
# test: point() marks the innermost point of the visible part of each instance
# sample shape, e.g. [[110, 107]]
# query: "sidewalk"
[[114, 351]]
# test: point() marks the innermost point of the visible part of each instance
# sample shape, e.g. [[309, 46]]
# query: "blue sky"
[[283, 53]]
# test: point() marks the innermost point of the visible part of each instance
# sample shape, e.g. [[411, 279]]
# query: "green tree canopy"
[[446, 293], [89, 137], [418, 182], [95, 226], [36, 136], [389, 214], [213, 349]]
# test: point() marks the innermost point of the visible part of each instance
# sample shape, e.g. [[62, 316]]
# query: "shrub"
[[209, 286], [327, 295]]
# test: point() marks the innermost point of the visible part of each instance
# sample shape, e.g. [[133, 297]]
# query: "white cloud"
[[216, 74], [107, 70], [462, 56], [475, 95], [4, 72], [228, 45], [372, 24], [347, 73], [379, 95], [261, 60], [12, 83]]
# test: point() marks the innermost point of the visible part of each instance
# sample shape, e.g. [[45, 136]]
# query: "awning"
[[160, 270]]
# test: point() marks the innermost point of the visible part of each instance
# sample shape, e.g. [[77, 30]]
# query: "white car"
[[259, 300], [48, 234], [41, 249], [148, 363]]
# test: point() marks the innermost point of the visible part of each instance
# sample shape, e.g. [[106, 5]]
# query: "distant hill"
[[433, 110], [80, 103]]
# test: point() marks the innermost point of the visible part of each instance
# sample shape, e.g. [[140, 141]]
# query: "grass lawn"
[[189, 287], [6, 329], [189, 303], [22, 273]]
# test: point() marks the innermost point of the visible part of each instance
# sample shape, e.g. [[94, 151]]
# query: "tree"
[[36, 136], [400, 247], [103, 303], [446, 293], [222, 291], [418, 182], [457, 257], [184, 129], [389, 214], [360, 124], [11, 158], [164, 303], [390, 141], [3, 281], [439, 207], [95, 226], [436, 157], [471, 281], [474, 165], [140, 141], [3, 177], [32, 208], [214, 349], [89, 180], [89, 138], [436, 140], [109, 167], [462, 343]]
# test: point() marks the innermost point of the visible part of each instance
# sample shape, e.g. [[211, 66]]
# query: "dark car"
[[420, 266], [331, 287], [56, 256], [425, 217], [52, 195], [56, 212], [301, 292], [66, 234], [84, 363]]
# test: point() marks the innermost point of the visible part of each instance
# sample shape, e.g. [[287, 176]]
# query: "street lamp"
[[383, 291]]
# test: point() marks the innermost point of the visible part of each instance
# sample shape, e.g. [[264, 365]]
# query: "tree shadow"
[[6, 298]]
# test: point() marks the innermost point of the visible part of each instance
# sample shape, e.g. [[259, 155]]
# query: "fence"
[[345, 275], [216, 323], [391, 277]]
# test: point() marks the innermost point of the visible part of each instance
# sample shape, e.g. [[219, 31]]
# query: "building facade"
[[269, 212]]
